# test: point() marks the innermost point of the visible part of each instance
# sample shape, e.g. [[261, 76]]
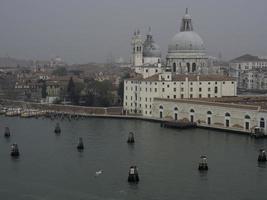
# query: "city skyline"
[[90, 31]]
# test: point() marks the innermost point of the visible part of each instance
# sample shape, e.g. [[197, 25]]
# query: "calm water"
[[51, 168]]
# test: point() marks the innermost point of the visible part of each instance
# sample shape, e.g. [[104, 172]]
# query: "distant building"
[[246, 70]]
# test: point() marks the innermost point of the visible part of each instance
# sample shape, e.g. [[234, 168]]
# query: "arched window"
[[247, 117], [174, 67], [227, 114], [192, 110], [194, 67], [209, 113], [188, 67], [262, 123], [175, 109], [160, 107]]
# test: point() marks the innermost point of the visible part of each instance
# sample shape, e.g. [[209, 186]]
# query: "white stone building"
[[139, 93], [220, 115]]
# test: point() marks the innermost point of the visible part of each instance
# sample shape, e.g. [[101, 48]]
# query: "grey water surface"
[[51, 168]]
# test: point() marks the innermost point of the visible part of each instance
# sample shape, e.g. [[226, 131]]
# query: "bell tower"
[[137, 49]]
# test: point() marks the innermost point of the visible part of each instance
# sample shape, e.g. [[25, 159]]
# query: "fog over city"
[[82, 31]]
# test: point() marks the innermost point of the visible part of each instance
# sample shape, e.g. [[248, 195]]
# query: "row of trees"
[[90, 93]]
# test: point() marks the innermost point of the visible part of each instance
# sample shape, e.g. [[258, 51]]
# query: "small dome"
[[186, 41], [151, 50]]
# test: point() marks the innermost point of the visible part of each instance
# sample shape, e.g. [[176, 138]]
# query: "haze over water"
[[50, 167]]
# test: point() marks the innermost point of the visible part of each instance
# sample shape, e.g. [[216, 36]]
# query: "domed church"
[[186, 51]]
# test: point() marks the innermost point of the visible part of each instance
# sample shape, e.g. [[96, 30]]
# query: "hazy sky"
[[83, 31]]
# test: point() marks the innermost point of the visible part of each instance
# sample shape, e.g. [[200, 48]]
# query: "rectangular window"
[[146, 99], [182, 89], [216, 90], [208, 95], [209, 89], [155, 89], [126, 97], [200, 89], [168, 96], [182, 96], [174, 96], [191, 96], [174, 89], [163, 90], [191, 89], [200, 96]]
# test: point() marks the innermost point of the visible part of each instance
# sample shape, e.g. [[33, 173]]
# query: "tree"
[[98, 93], [71, 90], [61, 71]]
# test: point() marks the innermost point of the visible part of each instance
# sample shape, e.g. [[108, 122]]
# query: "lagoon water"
[[50, 167]]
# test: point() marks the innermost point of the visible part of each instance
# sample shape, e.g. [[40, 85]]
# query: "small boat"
[[14, 150], [7, 132], [80, 145], [57, 129]]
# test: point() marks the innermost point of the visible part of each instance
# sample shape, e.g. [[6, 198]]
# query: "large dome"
[[186, 41]]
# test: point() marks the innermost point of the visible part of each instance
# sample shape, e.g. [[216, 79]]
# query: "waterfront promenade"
[[59, 111]]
